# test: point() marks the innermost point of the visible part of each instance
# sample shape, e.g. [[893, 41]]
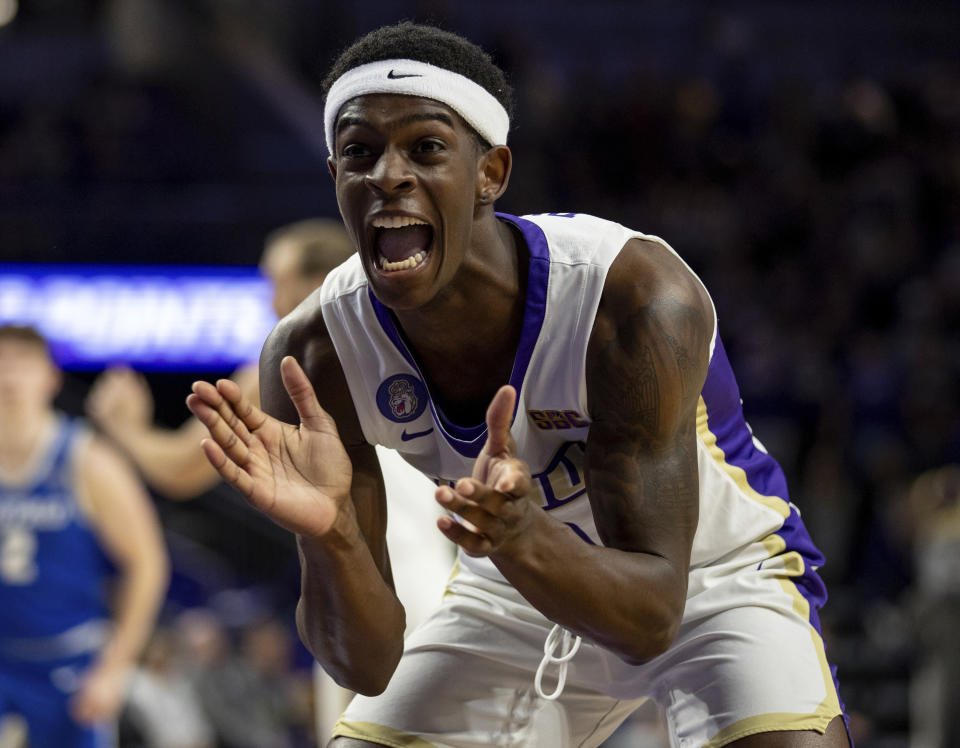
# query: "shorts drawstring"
[[555, 638]]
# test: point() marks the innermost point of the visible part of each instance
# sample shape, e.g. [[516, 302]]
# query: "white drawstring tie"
[[557, 636]]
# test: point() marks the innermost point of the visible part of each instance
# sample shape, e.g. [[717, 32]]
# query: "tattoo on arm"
[[647, 372], [642, 390], [684, 364]]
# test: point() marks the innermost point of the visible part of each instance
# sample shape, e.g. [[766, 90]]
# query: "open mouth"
[[401, 242]]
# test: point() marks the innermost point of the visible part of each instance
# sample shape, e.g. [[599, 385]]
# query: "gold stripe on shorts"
[[790, 565], [380, 734]]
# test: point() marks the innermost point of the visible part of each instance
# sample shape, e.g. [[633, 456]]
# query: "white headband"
[[470, 100]]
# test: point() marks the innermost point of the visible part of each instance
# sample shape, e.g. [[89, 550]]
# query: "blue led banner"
[[153, 317]]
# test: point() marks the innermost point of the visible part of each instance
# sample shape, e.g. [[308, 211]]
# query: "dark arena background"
[[804, 157]]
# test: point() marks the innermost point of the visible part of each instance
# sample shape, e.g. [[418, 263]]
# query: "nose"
[[390, 174]]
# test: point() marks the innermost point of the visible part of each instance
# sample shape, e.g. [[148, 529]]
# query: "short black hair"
[[411, 41]]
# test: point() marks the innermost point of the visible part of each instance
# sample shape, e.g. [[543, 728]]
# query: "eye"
[[430, 145], [354, 150]]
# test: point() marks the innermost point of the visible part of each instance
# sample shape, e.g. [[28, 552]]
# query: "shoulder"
[[647, 272], [102, 474], [303, 334], [96, 456], [300, 331], [649, 348], [576, 238]]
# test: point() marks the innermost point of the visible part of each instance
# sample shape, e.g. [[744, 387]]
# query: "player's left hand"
[[494, 503], [100, 696]]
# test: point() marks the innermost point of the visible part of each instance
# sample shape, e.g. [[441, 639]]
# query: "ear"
[[493, 174], [332, 166]]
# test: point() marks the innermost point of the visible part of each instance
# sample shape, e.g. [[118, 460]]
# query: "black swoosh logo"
[[415, 435], [394, 75]]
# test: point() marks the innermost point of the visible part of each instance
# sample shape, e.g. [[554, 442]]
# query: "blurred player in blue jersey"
[[83, 569], [622, 535]]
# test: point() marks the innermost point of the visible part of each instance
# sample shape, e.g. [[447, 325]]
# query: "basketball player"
[[622, 535], [73, 517]]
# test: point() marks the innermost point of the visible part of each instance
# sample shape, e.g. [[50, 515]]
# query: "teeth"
[[396, 222], [410, 262]]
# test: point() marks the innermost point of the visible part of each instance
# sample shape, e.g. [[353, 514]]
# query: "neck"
[[484, 303], [466, 341]]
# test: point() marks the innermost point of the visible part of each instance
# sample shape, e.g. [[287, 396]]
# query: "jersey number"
[[18, 551]]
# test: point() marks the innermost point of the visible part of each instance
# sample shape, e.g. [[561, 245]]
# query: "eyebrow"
[[350, 120]]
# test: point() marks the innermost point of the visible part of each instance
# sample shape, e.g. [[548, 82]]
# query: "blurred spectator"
[[249, 695], [934, 516], [163, 705]]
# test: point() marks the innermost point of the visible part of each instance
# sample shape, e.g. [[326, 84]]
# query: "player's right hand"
[[298, 476]]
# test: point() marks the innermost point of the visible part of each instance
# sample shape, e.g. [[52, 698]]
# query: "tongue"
[[399, 244]]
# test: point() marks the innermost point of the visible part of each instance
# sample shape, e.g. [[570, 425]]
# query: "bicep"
[[646, 365]]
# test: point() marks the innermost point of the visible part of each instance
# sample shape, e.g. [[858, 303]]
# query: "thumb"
[[301, 392], [499, 418]]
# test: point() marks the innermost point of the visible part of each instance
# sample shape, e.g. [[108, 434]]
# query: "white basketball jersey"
[[743, 499]]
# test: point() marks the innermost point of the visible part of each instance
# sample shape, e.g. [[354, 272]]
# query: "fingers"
[[510, 477], [472, 543], [228, 469], [304, 398], [226, 428], [487, 515], [499, 419], [252, 417]]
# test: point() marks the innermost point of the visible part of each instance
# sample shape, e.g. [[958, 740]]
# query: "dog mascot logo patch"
[[401, 398]]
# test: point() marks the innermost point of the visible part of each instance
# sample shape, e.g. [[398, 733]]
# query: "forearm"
[[139, 596], [628, 602], [347, 616], [171, 461]]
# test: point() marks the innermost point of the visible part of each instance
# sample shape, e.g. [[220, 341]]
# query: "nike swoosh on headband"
[[394, 75]]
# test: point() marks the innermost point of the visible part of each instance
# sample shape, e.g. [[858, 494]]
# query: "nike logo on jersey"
[[415, 435], [394, 75]]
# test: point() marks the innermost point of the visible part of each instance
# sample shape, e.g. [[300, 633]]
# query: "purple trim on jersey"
[[386, 322], [725, 420], [810, 585], [469, 440]]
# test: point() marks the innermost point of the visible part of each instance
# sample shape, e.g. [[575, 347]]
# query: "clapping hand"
[[298, 476], [494, 503]]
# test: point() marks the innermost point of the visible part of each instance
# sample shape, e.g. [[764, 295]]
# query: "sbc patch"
[[402, 397]]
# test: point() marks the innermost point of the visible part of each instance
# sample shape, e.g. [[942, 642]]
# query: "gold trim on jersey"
[[737, 474], [790, 565]]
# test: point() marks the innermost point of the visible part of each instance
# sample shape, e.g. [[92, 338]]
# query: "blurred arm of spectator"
[[170, 460]]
